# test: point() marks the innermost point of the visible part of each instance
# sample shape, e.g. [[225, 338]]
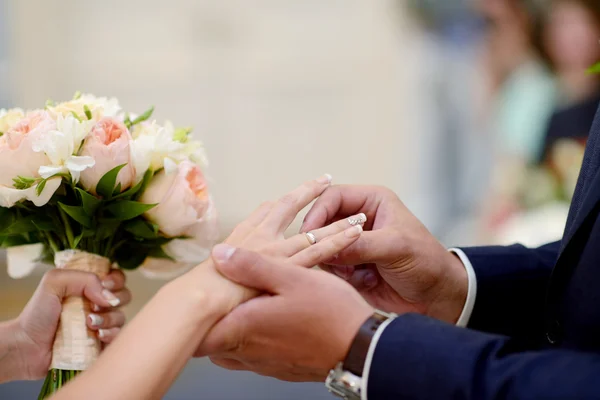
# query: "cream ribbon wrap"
[[76, 347]]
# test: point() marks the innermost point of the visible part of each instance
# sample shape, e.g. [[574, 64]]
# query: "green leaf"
[[158, 252], [78, 239], [106, 185], [594, 69], [142, 229], [145, 181], [181, 134], [74, 114], [50, 103], [127, 121], [125, 209], [77, 213], [107, 227], [87, 112], [1, 133], [131, 257], [6, 218], [147, 114], [117, 189], [12, 241], [40, 187], [89, 202], [20, 226], [21, 182], [77, 95], [43, 223]]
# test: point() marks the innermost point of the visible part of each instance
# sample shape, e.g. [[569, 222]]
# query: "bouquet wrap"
[[76, 347]]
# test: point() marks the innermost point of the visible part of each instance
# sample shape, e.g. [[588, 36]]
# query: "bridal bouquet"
[[86, 186]]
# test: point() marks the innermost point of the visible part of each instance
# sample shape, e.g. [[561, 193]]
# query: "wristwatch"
[[346, 379]]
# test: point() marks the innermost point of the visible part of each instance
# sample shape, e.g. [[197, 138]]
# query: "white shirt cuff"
[[370, 354], [463, 320], [465, 316]]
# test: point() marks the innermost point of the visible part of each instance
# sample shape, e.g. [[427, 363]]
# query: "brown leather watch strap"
[[355, 360]]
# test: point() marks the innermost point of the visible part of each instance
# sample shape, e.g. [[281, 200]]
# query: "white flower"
[[61, 145], [9, 196], [99, 107], [155, 147], [22, 260], [8, 118]]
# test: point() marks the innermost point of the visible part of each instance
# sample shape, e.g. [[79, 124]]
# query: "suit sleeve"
[[417, 357], [511, 289]]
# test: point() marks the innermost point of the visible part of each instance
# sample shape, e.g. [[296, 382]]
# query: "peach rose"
[[108, 144], [182, 199], [187, 253], [17, 158]]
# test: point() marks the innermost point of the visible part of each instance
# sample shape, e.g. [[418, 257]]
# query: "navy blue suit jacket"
[[534, 332]]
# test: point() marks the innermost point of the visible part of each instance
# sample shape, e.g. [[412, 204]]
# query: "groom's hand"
[[297, 331], [396, 264]]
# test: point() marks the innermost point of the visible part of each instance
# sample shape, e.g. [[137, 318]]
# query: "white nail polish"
[[357, 219], [101, 333], [325, 179], [353, 231], [96, 308], [111, 298], [96, 320], [108, 284]]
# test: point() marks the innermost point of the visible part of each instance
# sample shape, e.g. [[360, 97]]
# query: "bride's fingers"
[[328, 248], [247, 225], [108, 335], [287, 207], [300, 242]]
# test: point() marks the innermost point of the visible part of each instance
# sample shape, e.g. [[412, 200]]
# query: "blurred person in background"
[[520, 93], [568, 38], [570, 42]]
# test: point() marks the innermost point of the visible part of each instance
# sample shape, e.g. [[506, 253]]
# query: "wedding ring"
[[311, 238], [360, 219]]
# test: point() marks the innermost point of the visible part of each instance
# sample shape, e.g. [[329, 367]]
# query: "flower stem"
[[68, 230]]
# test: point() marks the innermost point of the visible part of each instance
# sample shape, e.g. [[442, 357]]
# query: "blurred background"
[[475, 112]]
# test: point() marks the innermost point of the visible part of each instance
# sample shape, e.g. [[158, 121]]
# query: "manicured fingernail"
[[108, 284], [223, 252], [370, 280], [111, 298], [102, 333], [96, 308], [353, 231], [325, 179], [95, 320], [357, 219]]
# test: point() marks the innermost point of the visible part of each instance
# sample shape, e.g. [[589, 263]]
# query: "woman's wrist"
[[13, 365], [206, 293]]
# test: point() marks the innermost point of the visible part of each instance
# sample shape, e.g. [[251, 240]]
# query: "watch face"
[[344, 384]]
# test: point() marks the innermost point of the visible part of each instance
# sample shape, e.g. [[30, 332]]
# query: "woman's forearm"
[[11, 361], [153, 349]]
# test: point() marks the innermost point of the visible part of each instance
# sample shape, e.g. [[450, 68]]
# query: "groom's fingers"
[[287, 207], [341, 200], [299, 242]]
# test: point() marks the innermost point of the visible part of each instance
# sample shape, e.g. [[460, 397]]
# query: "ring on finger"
[[312, 239], [359, 219]]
